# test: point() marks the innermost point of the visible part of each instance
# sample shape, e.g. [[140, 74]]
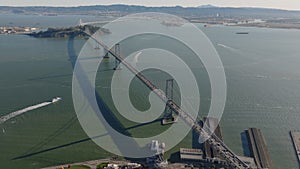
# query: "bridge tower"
[[80, 23], [169, 115], [117, 52]]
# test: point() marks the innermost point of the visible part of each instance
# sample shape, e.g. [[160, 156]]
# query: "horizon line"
[[150, 6]]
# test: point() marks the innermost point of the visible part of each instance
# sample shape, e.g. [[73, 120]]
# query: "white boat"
[[54, 100]]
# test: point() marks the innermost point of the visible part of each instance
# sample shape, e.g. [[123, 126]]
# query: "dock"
[[296, 141], [258, 148]]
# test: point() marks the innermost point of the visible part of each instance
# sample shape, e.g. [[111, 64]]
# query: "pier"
[[296, 141], [258, 148]]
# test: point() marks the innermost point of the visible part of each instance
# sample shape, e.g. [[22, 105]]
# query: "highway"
[[232, 159]]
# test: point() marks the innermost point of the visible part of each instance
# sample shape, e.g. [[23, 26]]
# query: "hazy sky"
[[281, 4]]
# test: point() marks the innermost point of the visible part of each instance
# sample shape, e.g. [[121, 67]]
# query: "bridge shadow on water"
[[245, 144], [56, 147], [108, 115], [71, 143], [195, 139]]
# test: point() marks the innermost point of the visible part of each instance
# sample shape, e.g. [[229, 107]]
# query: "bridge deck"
[[220, 147]]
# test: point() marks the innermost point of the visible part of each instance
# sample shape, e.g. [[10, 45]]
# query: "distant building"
[[112, 166]]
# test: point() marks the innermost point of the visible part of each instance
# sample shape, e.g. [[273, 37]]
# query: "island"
[[77, 31]]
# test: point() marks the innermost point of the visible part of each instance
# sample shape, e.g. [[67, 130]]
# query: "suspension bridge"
[[217, 144]]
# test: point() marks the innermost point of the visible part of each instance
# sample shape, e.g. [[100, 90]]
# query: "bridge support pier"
[[169, 115], [106, 54], [117, 52]]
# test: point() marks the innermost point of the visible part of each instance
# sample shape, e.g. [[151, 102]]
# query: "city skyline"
[[279, 4]]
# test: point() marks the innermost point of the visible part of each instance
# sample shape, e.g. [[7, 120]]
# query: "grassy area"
[[101, 166], [77, 167], [80, 167]]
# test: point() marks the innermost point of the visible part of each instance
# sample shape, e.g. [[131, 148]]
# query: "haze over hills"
[[208, 14], [201, 11], [207, 6]]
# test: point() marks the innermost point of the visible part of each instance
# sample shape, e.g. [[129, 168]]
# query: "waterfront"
[[263, 92]]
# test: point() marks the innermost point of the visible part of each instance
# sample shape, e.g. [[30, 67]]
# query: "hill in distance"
[[120, 9]]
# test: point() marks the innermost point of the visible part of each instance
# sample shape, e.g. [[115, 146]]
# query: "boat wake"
[[27, 109], [227, 47]]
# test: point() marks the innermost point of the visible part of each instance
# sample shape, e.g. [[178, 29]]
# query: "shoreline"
[[267, 25], [281, 26]]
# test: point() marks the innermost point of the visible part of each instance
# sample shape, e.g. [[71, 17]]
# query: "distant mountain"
[[119, 10], [207, 6]]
